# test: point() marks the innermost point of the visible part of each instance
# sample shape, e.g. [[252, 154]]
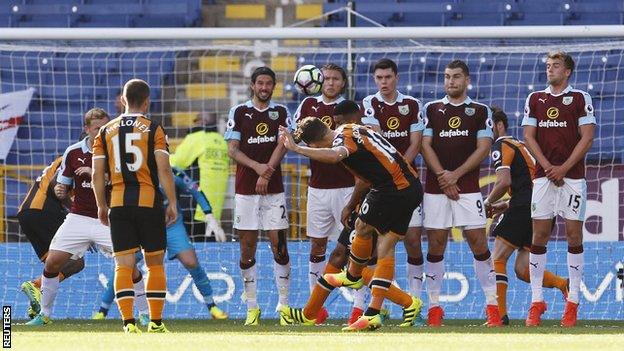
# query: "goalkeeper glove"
[[213, 227]]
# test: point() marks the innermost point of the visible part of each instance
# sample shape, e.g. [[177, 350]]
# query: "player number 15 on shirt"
[[129, 148]]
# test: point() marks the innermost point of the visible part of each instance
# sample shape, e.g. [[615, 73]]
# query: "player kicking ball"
[[346, 112], [387, 208], [515, 171]]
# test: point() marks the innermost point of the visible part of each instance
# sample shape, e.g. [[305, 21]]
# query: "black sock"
[[371, 311], [157, 321], [104, 311], [211, 305], [129, 321]]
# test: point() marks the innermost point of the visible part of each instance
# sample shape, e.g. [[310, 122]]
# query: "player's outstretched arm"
[[165, 177], [98, 183], [325, 155]]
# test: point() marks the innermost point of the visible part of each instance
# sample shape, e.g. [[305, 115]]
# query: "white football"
[[308, 80]]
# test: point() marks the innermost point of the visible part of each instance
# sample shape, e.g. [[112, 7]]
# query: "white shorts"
[[260, 212], [440, 212], [417, 218], [568, 201], [324, 208], [78, 232]]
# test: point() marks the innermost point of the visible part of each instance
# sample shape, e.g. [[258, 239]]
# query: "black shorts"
[[516, 226], [40, 227], [133, 228], [391, 211]]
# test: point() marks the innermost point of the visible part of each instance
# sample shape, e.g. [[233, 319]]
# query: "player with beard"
[[259, 202]]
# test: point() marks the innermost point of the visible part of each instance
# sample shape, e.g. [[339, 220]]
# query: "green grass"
[[232, 335]]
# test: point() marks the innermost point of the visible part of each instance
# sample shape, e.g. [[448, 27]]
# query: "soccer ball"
[[308, 80]]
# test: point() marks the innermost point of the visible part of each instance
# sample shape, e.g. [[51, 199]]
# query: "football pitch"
[[232, 335]]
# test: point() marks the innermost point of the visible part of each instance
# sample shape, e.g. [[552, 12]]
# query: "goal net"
[[198, 81]]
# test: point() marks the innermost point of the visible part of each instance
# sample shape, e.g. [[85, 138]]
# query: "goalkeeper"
[[179, 246], [207, 149]]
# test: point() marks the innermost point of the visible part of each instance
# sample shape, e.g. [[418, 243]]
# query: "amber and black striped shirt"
[[41, 194], [128, 144], [510, 153], [374, 159]]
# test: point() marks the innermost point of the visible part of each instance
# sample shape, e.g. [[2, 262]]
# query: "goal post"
[[199, 73]]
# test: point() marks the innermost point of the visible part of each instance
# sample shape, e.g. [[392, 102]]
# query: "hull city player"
[[398, 118], [515, 171], [349, 112], [330, 186], [133, 150], [387, 208]]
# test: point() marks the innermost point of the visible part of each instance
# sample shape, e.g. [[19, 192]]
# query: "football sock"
[[434, 275], [575, 271], [315, 267], [49, 288], [250, 285], [361, 250], [415, 269], [484, 270], [382, 279], [282, 280], [156, 291], [124, 292], [394, 293], [500, 266], [202, 283], [140, 298], [537, 266], [108, 296], [321, 291]]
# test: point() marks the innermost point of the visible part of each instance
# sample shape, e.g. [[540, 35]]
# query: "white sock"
[[49, 288], [575, 273], [537, 265], [250, 285], [434, 274], [359, 298], [140, 299], [415, 278], [315, 270], [282, 280], [487, 278]]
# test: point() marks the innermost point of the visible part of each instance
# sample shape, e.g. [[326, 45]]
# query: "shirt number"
[[130, 148]]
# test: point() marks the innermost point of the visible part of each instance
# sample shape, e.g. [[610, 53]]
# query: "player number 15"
[[129, 148]]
